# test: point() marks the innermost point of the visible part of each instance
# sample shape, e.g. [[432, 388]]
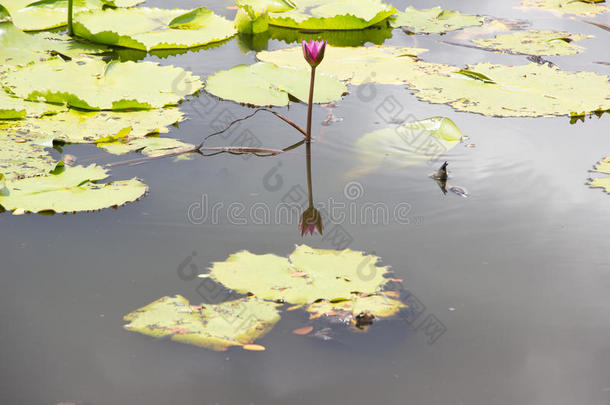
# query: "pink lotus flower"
[[314, 52], [311, 220]]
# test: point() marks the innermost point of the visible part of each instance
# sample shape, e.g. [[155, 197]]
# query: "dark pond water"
[[516, 277]]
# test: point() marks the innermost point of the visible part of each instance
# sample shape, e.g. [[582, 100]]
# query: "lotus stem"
[[70, 12], [310, 105]]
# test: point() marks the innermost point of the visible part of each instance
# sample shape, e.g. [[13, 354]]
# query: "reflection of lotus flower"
[[311, 220], [314, 52]]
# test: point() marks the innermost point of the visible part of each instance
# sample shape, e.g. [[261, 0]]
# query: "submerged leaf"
[[92, 84], [69, 189], [153, 28], [408, 144], [233, 323], [583, 8], [330, 274], [534, 42], [434, 20], [332, 15], [268, 84]]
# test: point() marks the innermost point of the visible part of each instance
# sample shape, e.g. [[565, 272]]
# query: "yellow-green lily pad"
[[268, 84], [379, 64], [535, 42], [153, 28], [560, 7], [349, 310], [69, 189], [15, 108], [306, 276], [603, 166], [434, 20], [233, 323], [21, 157], [92, 84]]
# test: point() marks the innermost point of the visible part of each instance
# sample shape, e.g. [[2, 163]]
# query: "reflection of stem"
[[70, 11], [310, 105], [309, 186]]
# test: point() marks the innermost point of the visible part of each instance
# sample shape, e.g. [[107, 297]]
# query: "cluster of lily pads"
[[341, 286]]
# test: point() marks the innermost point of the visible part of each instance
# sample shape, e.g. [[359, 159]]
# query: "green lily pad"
[[434, 20], [16, 108], [306, 276], [47, 14], [379, 64], [18, 48], [92, 84], [69, 189], [332, 15], [530, 90], [20, 157], [253, 15], [153, 28], [217, 327], [582, 8], [268, 84], [603, 166], [534, 42], [408, 144]]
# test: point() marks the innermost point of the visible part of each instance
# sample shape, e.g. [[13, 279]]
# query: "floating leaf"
[[92, 84], [18, 48], [530, 90], [150, 145], [534, 42], [583, 8], [20, 157], [47, 14], [408, 144], [603, 166], [303, 331], [234, 323], [69, 189], [254, 348], [330, 274], [268, 84], [379, 64], [434, 20], [153, 28]]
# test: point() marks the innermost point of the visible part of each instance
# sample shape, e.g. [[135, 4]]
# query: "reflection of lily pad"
[[408, 144], [217, 327], [92, 84], [18, 48], [306, 276], [379, 64], [534, 42], [603, 166], [47, 14], [530, 90], [268, 84], [153, 28], [332, 15], [20, 157], [583, 8], [434, 20], [69, 189], [376, 35]]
